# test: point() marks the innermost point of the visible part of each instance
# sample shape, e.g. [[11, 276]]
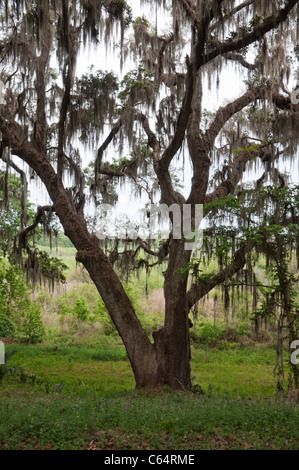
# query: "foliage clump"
[[20, 318]]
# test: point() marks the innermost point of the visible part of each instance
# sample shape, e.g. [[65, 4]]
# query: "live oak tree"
[[46, 108]]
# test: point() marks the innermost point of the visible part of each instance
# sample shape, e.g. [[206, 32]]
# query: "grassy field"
[[75, 389], [72, 397], [145, 421]]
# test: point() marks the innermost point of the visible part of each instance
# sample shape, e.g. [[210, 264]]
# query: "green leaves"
[[137, 80], [51, 267], [30, 327], [254, 21], [81, 309], [99, 82], [248, 149], [19, 317]]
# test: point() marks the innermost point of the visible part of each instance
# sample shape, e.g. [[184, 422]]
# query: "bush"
[[242, 329], [19, 318], [209, 333], [7, 327], [81, 310], [31, 327]]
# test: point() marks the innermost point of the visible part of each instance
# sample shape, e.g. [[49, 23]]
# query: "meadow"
[[74, 389]]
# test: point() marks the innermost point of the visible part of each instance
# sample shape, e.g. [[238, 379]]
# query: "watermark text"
[[153, 223]]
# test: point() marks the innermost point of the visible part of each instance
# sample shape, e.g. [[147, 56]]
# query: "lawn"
[[72, 397], [75, 390]]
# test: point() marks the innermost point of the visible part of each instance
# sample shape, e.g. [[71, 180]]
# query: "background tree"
[[45, 112]]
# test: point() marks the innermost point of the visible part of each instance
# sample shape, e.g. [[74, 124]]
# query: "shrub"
[[209, 333], [81, 310], [7, 327], [19, 318], [31, 327], [242, 329]]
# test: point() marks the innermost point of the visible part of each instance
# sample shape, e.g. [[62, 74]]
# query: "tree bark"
[[172, 341]]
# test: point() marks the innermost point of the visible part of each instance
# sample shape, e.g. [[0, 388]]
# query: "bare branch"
[[236, 171], [190, 8], [152, 139], [103, 147]]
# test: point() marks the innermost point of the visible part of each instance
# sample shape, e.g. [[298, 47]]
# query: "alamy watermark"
[[295, 354], [152, 223], [2, 353], [295, 95]]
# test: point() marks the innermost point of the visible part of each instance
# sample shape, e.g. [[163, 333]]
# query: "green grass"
[[246, 373], [78, 369], [235, 372], [76, 391], [79, 397], [146, 421]]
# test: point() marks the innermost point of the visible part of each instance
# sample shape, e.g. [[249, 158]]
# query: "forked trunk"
[[167, 360], [172, 342]]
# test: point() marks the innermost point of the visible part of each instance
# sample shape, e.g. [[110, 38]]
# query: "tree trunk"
[[172, 342], [167, 360]]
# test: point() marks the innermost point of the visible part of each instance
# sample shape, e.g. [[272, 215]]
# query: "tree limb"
[[225, 113], [200, 288], [257, 32], [102, 148], [233, 12], [235, 172], [239, 58], [189, 7], [40, 212]]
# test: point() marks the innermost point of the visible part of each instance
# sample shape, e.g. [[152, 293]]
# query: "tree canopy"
[[154, 122]]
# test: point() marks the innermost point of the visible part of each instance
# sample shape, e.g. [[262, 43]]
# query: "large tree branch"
[[62, 121], [98, 162], [152, 139], [202, 287], [190, 10], [233, 12], [225, 113], [235, 172], [40, 62], [283, 102], [182, 121], [198, 151], [167, 191], [257, 32], [165, 43], [239, 58]]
